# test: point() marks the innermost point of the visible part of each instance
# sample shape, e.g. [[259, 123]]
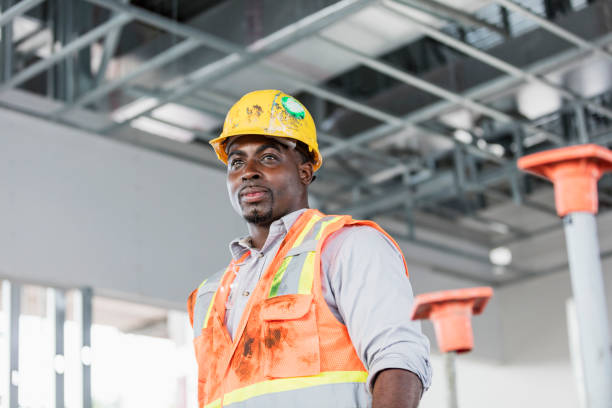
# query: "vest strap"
[[296, 272]]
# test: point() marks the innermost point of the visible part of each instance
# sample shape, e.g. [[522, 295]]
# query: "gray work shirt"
[[366, 288]]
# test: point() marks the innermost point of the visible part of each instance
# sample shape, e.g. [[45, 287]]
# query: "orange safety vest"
[[289, 349]]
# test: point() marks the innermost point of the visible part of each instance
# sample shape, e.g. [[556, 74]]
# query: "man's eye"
[[235, 163], [268, 157]]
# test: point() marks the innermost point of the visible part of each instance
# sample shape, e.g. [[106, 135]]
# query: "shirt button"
[[261, 255], [246, 293]]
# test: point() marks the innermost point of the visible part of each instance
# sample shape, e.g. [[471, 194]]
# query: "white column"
[[84, 305], [56, 312], [11, 302], [451, 379], [588, 290]]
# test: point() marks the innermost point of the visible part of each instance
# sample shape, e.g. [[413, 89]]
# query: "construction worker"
[[313, 309]]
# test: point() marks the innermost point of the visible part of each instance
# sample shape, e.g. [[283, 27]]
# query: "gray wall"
[[77, 209]]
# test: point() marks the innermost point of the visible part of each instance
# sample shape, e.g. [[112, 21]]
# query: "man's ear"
[[306, 172]]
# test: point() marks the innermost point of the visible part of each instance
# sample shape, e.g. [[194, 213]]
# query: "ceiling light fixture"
[[463, 136], [500, 256]]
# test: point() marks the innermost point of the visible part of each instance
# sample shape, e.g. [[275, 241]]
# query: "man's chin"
[[258, 216]]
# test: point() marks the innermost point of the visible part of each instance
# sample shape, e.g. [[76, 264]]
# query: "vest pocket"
[[291, 337]]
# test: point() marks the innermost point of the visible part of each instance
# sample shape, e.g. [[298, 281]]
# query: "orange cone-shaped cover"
[[451, 311]]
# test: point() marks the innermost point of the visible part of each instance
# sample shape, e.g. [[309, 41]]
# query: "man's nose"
[[251, 170]]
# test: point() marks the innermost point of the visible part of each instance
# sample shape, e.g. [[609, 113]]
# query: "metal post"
[[574, 345], [451, 379], [587, 286], [583, 133], [7, 43], [56, 301], [68, 63], [11, 302], [85, 323], [517, 179]]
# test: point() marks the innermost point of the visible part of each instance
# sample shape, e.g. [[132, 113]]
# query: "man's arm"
[[366, 286], [396, 388]]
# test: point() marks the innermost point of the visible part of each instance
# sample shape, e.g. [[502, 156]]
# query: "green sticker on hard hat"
[[292, 106]]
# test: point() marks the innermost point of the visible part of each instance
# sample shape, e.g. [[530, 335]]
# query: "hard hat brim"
[[218, 144]]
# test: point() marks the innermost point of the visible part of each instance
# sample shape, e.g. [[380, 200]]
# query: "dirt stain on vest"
[[274, 337], [247, 350], [243, 364]]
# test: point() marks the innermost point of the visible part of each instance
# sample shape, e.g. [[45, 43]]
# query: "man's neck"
[[258, 234]]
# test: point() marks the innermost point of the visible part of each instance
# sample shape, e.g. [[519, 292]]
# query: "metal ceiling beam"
[[197, 133], [440, 186], [436, 90], [442, 181], [323, 136], [179, 29], [480, 91], [144, 93], [392, 122], [449, 13], [159, 60], [166, 24], [72, 47], [110, 47], [491, 60], [238, 57], [195, 39], [556, 29], [6, 47], [18, 10], [364, 151], [365, 136]]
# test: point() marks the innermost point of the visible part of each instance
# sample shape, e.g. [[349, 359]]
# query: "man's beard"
[[260, 216]]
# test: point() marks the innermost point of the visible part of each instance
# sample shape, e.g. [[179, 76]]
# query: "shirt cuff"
[[417, 365]]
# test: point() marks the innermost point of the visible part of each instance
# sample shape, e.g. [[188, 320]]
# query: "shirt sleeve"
[[366, 287]]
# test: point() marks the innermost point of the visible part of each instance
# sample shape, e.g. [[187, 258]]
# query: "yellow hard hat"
[[272, 113]]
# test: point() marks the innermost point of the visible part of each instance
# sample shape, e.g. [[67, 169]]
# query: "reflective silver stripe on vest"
[[206, 293], [291, 277], [292, 266], [317, 229], [342, 395]]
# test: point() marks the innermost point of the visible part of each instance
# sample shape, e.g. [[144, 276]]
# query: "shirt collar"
[[278, 228]]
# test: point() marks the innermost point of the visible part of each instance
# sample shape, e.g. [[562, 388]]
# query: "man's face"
[[265, 179]]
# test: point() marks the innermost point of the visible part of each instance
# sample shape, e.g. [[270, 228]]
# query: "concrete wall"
[[77, 210]]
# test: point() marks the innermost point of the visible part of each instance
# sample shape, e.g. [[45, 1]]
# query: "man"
[[313, 310]]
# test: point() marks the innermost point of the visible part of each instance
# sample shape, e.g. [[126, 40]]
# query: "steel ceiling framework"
[[394, 183]]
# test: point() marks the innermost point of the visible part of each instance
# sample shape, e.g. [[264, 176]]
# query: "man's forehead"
[[234, 142]]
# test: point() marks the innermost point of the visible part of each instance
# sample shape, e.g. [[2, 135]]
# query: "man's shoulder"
[[361, 234]]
